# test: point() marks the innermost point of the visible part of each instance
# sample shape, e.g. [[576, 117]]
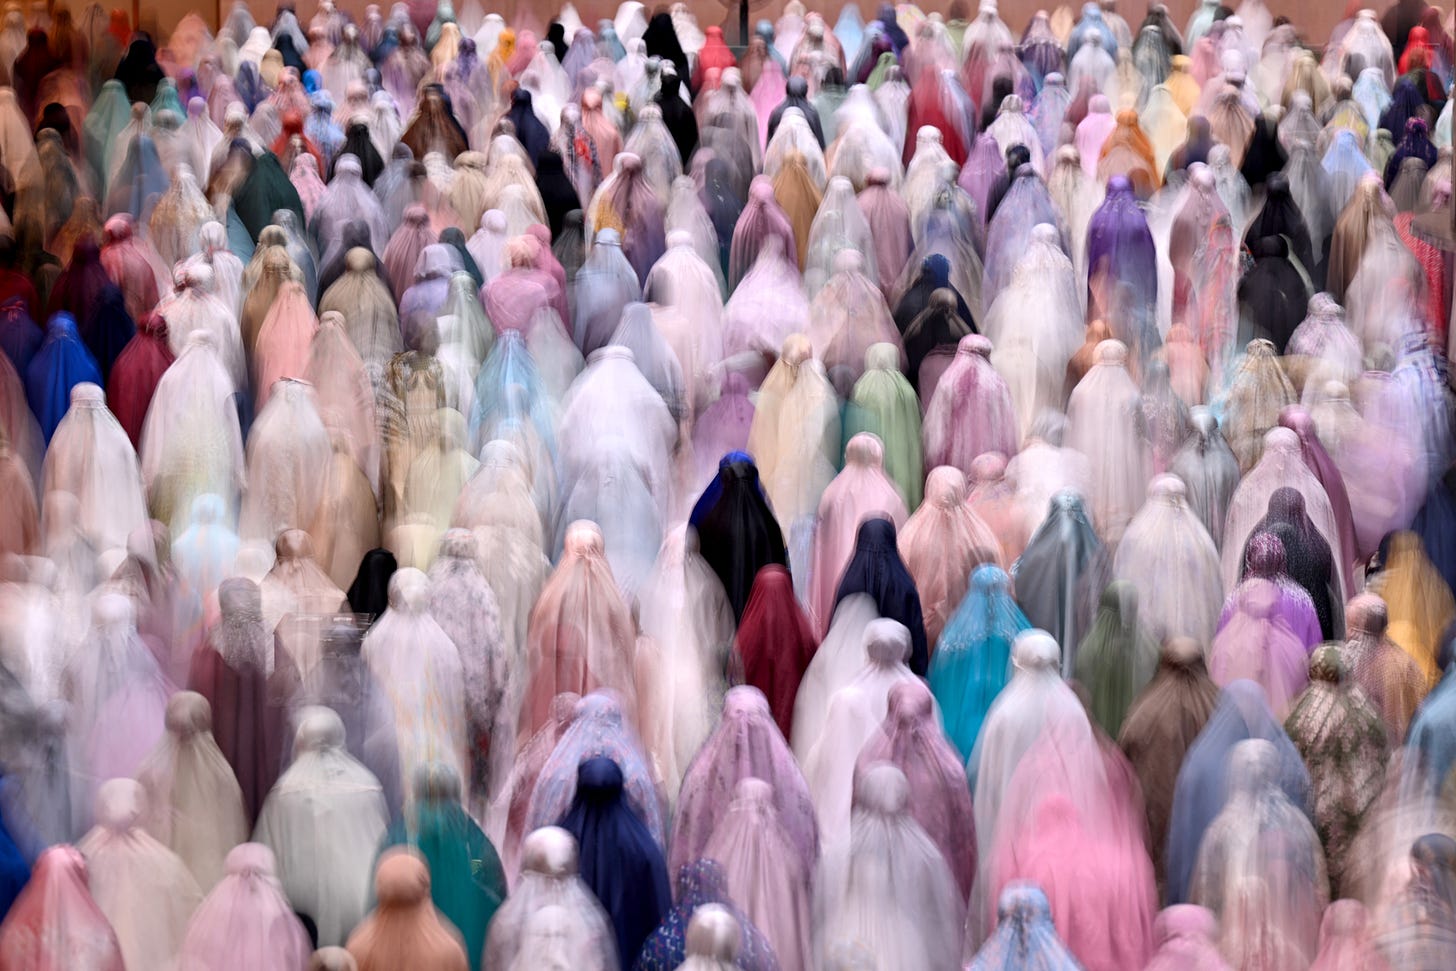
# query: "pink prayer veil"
[[942, 543], [940, 798], [862, 491], [971, 412], [746, 744], [54, 924], [246, 921], [765, 875], [1187, 940]]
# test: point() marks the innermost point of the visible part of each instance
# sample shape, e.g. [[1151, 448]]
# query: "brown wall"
[[1313, 17]]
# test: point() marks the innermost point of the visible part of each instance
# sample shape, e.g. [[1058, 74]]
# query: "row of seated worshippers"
[[904, 494]]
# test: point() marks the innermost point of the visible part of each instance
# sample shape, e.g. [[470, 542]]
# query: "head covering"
[[246, 921], [620, 862], [876, 569], [775, 642], [55, 923], [1025, 937], [405, 926]]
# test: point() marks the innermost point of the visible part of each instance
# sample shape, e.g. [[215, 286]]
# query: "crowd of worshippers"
[[487, 492]]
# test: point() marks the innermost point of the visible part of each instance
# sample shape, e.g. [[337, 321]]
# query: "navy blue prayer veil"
[[876, 569], [619, 860]]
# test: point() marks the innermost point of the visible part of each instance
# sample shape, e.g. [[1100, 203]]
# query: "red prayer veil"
[[775, 642]]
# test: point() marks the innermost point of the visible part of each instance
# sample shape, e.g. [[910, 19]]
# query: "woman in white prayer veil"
[[795, 436], [862, 147], [1036, 325], [1384, 299], [886, 886], [795, 137], [288, 461], [654, 358], [194, 306], [839, 225], [465, 607], [144, 889], [1281, 465], [192, 801], [91, 458], [1169, 557], [549, 883], [227, 269], [712, 940], [685, 280], [853, 717], [343, 394], [1077, 196], [1013, 127], [612, 399], [1260, 868], [613, 487], [766, 310], [323, 820], [683, 608], [1106, 425], [687, 213], [842, 655], [419, 668], [205, 548], [928, 168], [497, 506], [191, 444], [1035, 700], [117, 695]]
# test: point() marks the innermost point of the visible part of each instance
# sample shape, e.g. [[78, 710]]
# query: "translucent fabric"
[[91, 459], [1062, 571], [599, 728], [112, 679], [970, 386], [193, 804], [580, 636], [1033, 702], [886, 886], [1260, 866], [860, 492], [847, 318], [1419, 603], [246, 921], [911, 739], [1281, 467], [1187, 938], [288, 454], [796, 416], [55, 922], [1169, 557], [143, 889], [1204, 781], [942, 543], [766, 308], [1025, 939], [550, 895], [405, 926], [420, 671], [851, 718], [1209, 471], [1104, 424], [200, 306], [1256, 394], [1036, 325], [323, 820], [1346, 939], [1258, 644]]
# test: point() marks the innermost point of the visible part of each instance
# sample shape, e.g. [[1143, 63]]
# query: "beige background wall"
[[1314, 17]]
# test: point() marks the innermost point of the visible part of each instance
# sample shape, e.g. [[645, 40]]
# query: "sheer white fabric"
[[91, 458], [324, 820], [1105, 424], [1168, 555]]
